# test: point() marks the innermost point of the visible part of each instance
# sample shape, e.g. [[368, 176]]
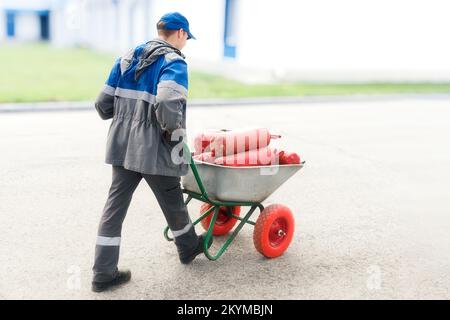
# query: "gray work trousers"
[[169, 195]]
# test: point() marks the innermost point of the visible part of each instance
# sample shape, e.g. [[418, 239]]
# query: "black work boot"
[[120, 278], [190, 256]]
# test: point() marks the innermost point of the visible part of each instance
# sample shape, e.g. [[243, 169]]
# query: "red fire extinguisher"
[[203, 140], [237, 141], [289, 157], [257, 157]]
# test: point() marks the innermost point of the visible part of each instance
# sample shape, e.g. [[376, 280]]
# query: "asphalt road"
[[371, 206]]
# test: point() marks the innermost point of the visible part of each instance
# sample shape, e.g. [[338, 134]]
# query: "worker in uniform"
[[145, 95]]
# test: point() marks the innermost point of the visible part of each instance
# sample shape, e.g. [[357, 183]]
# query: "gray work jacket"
[[145, 95]]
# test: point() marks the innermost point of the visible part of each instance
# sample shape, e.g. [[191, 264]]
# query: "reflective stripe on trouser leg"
[[108, 241], [177, 233], [107, 248]]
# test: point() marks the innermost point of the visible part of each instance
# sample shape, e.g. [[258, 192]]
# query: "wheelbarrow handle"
[[194, 170]]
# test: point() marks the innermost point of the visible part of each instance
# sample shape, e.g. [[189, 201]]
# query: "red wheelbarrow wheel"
[[224, 223], [274, 230]]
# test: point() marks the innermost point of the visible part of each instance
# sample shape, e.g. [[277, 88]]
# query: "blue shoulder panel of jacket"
[[166, 68], [176, 71]]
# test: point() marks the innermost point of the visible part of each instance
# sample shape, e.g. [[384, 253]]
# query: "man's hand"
[[167, 136]]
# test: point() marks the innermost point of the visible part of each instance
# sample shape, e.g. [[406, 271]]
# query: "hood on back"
[[152, 51]]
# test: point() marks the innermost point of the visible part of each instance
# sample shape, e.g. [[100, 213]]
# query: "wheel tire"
[[223, 223], [274, 230]]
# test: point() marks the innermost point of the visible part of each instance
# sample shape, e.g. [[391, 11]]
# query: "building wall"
[[347, 39], [2, 25], [104, 25], [107, 27], [323, 40], [26, 4]]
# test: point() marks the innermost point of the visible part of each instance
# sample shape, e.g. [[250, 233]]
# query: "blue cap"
[[176, 21]]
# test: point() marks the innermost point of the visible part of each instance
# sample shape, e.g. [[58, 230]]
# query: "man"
[[145, 95]]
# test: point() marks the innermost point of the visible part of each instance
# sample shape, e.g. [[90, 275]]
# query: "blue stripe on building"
[[44, 20], [10, 24], [229, 48]]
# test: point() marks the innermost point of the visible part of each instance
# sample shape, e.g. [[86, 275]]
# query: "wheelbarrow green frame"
[[214, 210]]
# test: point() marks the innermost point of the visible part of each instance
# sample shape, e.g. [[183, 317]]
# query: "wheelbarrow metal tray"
[[244, 184]]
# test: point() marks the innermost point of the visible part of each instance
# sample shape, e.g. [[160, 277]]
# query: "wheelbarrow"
[[224, 190]]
